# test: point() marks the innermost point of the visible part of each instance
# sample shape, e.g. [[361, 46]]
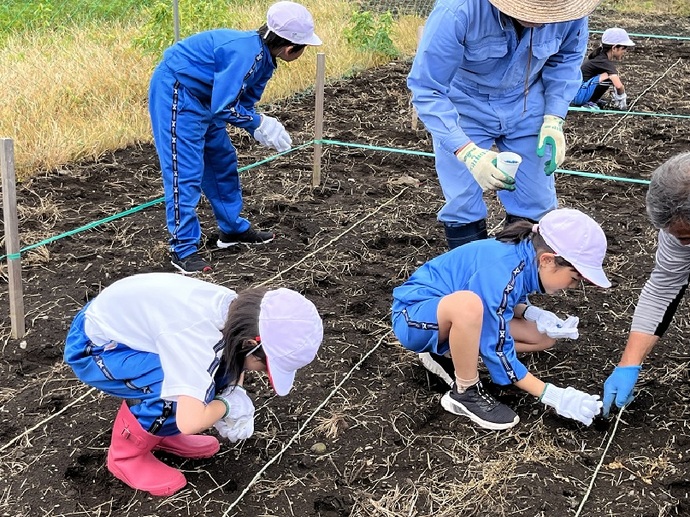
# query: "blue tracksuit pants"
[[196, 156], [498, 118], [125, 373]]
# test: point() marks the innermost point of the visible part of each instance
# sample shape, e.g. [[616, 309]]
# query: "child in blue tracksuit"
[[466, 303], [205, 82], [497, 72]]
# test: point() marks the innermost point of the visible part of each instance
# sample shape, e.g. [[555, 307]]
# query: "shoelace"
[[490, 401]]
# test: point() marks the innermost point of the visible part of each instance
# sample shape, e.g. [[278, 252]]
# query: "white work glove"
[[551, 134], [271, 133], [238, 424], [572, 403], [241, 429], [551, 325], [620, 100], [482, 165]]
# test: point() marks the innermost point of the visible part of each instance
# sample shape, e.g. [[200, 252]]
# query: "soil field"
[[390, 449]]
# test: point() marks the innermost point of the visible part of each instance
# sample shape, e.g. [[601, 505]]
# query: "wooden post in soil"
[[415, 119], [14, 266], [318, 117]]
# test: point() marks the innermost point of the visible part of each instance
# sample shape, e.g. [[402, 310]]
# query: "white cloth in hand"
[[551, 325], [620, 100], [271, 133], [572, 403], [238, 424]]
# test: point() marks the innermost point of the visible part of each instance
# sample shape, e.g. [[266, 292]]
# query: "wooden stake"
[[318, 117], [415, 118], [14, 266]]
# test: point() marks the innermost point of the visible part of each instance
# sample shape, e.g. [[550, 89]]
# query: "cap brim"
[[312, 40], [596, 276], [281, 380]]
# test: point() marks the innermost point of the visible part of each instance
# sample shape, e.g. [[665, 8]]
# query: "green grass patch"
[[22, 15]]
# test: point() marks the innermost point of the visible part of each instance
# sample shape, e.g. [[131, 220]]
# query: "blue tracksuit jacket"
[[204, 82], [468, 84], [500, 274]]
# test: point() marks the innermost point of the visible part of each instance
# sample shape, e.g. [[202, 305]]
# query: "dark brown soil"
[[390, 449]]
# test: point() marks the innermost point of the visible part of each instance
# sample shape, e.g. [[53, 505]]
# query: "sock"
[[461, 385]]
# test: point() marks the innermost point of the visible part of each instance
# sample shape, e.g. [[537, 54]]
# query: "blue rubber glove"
[[620, 385]]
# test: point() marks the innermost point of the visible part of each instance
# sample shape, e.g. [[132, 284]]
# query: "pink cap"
[[578, 239], [293, 22], [291, 333]]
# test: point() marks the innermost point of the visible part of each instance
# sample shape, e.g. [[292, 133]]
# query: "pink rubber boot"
[[130, 459], [189, 446]]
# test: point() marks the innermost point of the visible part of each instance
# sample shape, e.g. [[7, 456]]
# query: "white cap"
[[291, 332], [293, 22], [578, 239], [616, 36]]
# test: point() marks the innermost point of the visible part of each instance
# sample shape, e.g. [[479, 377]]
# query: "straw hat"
[[546, 11]]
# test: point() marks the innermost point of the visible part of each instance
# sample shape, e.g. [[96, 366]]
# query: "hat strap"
[[258, 345], [535, 228]]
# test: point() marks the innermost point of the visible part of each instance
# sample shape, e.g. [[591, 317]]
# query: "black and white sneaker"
[[439, 365], [478, 404], [191, 264], [251, 236]]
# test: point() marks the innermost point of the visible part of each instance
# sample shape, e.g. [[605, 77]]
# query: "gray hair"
[[668, 197]]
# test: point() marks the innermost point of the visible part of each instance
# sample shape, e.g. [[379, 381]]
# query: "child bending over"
[[599, 71], [175, 349], [466, 303]]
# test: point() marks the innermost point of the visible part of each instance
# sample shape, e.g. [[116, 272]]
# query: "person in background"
[[175, 349], [599, 72], [466, 303], [497, 72], [203, 83], [668, 207]]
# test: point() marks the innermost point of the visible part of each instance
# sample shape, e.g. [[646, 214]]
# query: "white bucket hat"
[[291, 332], [546, 11], [293, 22], [578, 239], [616, 36]]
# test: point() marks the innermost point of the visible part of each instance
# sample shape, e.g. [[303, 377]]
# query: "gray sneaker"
[[191, 264], [478, 404], [251, 236], [439, 365]]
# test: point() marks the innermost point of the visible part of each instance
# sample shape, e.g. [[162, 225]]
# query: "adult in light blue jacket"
[[203, 83], [498, 72]]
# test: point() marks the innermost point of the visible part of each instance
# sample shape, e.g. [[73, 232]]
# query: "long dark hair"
[[601, 48], [519, 231], [274, 42], [241, 326]]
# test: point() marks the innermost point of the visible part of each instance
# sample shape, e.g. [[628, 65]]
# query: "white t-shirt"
[[179, 318]]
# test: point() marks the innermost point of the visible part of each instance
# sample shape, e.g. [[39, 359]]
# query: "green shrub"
[[370, 32], [158, 31]]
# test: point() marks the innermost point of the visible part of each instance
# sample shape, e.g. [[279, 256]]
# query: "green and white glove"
[[482, 165], [572, 403], [551, 134]]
